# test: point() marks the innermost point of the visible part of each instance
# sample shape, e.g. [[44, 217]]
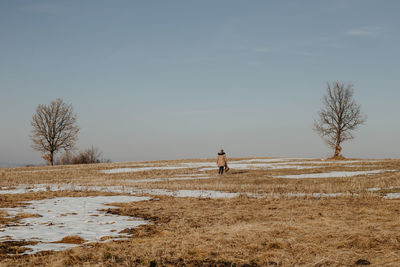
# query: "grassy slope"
[[285, 231]]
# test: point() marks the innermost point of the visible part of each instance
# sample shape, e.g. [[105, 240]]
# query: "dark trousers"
[[221, 170]]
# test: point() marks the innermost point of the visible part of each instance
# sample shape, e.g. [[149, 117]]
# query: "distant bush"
[[89, 156]]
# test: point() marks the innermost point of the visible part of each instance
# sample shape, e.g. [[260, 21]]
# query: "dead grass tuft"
[[71, 239]]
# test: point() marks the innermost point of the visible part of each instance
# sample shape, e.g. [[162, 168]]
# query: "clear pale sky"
[[179, 79]]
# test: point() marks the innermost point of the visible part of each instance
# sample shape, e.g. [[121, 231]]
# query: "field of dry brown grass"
[[277, 229]]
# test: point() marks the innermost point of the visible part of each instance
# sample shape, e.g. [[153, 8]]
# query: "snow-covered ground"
[[66, 216], [167, 179], [277, 163], [392, 196], [190, 193], [219, 194], [254, 166], [122, 170], [271, 163], [373, 189], [22, 189], [130, 190], [332, 174], [80, 216]]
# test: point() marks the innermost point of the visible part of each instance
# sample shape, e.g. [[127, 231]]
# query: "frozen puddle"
[[69, 216], [332, 174]]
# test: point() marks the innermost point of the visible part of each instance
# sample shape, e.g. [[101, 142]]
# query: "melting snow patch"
[[190, 175], [276, 166], [337, 161], [332, 174], [315, 195], [191, 193], [22, 189], [277, 163], [199, 164], [392, 196], [373, 189], [219, 194], [261, 160], [122, 170], [168, 179], [65, 216], [46, 170]]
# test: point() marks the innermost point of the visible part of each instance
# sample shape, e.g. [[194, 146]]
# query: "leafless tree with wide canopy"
[[339, 116], [54, 129]]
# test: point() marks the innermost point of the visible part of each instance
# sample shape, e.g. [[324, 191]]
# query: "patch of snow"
[[123, 170], [22, 189], [394, 187], [190, 175], [263, 166], [65, 216], [260, 160], [331, 174], [48, 246], [46, 170], [373, 189], [316, 195], [392, 196], [336, 161], [190, 193], [220, 194], [168, 179], [271, 163], [191, 165]]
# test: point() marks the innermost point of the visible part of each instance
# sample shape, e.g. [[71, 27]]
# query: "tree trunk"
[[52, 158], [338, 149]]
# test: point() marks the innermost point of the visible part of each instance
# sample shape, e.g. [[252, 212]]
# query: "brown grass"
[[231, 232], [234, 181], [71, 239], [287, 232]]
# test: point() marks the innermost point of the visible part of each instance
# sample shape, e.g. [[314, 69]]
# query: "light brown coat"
[[222, 161]]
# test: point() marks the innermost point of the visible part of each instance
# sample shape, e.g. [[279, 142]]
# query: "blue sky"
[[179, 79]]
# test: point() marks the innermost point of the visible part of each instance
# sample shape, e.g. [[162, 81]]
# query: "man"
[[222, 162]]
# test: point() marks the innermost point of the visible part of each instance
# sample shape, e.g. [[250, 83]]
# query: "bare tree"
[[54, 129], [339, 117]]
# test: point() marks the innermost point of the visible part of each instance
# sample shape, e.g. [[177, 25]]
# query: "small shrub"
[[89, 156]]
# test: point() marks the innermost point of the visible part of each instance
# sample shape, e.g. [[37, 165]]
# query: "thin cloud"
[[364, 31]]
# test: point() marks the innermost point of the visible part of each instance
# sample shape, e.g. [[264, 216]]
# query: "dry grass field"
[[251, 216]]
